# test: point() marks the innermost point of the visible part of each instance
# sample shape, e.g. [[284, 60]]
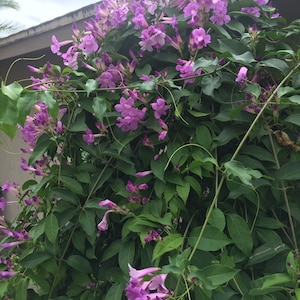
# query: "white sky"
[[34, 12]]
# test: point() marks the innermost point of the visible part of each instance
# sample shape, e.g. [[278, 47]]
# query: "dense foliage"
[[164, 157]]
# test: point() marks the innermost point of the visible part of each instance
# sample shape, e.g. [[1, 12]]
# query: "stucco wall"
[[10, 158]]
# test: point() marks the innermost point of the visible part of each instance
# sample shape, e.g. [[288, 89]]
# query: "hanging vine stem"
[[285, 196], [74, 228], [218, 190]]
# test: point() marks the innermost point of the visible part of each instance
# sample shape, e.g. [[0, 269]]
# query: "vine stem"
[[285, 196], [74, 228], [241, 144]]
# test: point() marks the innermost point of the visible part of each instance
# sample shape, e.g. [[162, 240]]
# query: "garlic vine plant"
[[163, 157]]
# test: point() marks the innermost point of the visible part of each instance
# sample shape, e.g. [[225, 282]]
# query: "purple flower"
[[242, 76], [251, 10], [152, 37], [191, 10], [140, 289], [3, 203], [7, 274], [152, 235], [106, 80], [186, 69], [88, 137], [55, 47], [262, 2], [108, 203], [220, 16], [88, 44], [12, 189], [131, 116], [140, 274], [199, 39], [142, 174], [103, 225], [160, 108]]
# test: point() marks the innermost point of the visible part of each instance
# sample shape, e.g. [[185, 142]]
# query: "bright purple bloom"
[[89, 136], [192, 10], [3, 203], [160, 108], [152, 37], [140, 289], [131, 116], [135, 188], [7, 274], [220, 16], [88, 44], [142, 174], [199, 39], [55, 47], [108, 203], [186, 69], [251, 10], [12, 189], [262, 2], [106, 80], [242, 75], [152, 235], [103, 225]]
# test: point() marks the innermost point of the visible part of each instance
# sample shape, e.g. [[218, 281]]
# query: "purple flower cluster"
[[42, 122], [186, 69], [198, 12], [152, 235], [135, 189], [112, 207], [8, 272], [19, 237], [140, 289], [131, 116]]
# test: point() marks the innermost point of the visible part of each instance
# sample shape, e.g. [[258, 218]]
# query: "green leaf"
[[245, 58], [79, 263], [72, 184], [115, 292], [209, 84], [21, 289], [12, 91], [295, 99], [99, 107], [42, 146], [289, 171], [51, 228], [34, 259], [4, 285], [158, 167], [294, 119], [240, 233], [254, 89], [275, 279], [24, 106], [212, 239], [236, 169], [183, 191], [169, 243], [111, 250], [217, 219], [219, 274], [126, 255], [205, 64], [88, 222], [51, 102], [91, 85], [265, 252], [275, 63]]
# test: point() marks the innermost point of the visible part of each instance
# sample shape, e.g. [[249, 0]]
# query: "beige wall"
[[10, 156]]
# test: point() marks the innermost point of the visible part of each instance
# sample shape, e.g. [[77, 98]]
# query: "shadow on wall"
[[289, 9]]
